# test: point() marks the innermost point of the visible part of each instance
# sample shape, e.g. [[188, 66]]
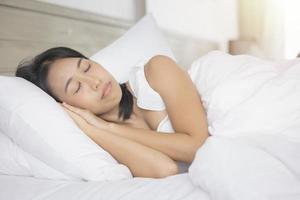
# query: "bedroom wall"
[[210, 20], [268, 29], [125, 9], [292, 36], [213, 20], [32, 27], [184, 45]]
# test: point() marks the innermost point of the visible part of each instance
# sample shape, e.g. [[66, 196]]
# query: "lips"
[[106, 89]]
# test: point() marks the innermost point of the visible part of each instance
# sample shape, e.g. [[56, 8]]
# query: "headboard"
[[29, 27]]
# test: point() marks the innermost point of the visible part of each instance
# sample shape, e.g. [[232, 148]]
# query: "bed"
[[253, 150], [32, 26]]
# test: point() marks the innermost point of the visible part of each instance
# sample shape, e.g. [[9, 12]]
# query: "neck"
[[113, 115]]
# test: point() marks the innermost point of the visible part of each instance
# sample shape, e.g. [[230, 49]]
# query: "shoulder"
[[161, 69], [159, 59], [180, 96], [159, 63]]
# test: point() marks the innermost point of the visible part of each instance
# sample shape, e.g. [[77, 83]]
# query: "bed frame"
[[29, 27]]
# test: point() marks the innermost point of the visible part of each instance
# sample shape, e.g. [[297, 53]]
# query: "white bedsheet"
[[170, 188]]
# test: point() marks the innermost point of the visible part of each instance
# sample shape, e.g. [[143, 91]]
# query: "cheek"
[[86, 101], [81, 102], [77, 101]]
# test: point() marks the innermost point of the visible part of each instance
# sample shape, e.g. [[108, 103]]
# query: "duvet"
[[253, 111]]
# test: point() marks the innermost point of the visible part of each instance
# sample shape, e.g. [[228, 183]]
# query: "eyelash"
[[88, 68], [79, 85]]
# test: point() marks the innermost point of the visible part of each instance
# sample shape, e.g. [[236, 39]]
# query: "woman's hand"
[[81, 122], [79, 115]]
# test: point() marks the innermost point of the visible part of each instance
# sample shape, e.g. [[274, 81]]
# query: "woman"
[[112, 114]]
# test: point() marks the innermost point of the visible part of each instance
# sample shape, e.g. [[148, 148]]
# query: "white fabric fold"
[[253, 110]]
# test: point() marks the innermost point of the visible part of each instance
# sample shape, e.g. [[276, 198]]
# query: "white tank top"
[[148, 98]]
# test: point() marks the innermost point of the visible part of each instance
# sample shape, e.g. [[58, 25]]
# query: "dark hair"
[[36, 70], [126, 104]]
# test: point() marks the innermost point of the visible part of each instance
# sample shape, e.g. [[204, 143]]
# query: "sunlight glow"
[[292, 28]]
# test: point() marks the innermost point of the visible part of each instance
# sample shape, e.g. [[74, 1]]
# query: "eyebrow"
[[70, 79]]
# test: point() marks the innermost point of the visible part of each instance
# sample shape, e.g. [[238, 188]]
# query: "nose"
[[93, 82]]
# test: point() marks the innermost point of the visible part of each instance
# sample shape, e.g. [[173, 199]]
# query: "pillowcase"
[[141, 42], [40, 126], [15, 161]]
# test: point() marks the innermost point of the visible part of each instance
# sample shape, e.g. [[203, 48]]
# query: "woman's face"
[[81, 82]]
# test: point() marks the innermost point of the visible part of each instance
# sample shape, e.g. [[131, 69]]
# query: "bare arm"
[[178, 146], [142, 161], [184, 107]]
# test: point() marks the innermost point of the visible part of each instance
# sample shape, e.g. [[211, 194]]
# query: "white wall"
[[124, 9], [272, 26], [214, 20], [292, 29]]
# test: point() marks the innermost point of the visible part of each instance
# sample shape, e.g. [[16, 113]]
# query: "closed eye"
[[87, 69], [79, 86]]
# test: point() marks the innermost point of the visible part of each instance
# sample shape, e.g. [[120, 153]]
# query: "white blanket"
[[28, 188], [253, 111]]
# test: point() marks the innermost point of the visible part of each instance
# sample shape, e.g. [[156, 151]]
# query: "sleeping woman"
[[154, 123]]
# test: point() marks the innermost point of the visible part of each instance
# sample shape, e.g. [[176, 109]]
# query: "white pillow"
[[40, 126], [15, 161], [143, 41]]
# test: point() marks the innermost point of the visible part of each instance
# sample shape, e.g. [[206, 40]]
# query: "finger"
[[73, 108], [67, 105], [77, 118], [70, 112], [85, 114]]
